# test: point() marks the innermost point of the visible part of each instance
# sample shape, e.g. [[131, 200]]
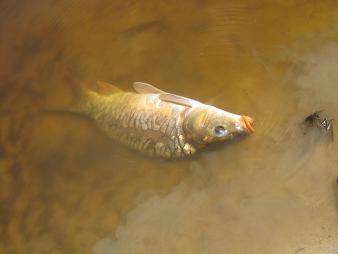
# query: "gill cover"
[[194, 124], [208, 124]]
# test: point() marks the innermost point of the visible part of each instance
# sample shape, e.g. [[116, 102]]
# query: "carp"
[[158, 123]]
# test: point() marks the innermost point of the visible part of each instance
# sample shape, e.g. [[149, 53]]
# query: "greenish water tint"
[[66, 188]]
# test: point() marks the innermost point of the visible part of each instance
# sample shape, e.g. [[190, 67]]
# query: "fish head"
[[208, 124]]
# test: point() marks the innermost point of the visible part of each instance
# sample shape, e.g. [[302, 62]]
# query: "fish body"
[[157, 123]]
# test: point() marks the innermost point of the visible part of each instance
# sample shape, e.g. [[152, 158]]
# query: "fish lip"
[[247, 123]]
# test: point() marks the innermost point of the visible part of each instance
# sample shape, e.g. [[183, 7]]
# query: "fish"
[[157, 123]]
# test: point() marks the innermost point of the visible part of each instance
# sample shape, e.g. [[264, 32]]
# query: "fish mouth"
[[247, 123]]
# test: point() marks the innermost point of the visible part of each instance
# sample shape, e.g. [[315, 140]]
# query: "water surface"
[[66, 188]]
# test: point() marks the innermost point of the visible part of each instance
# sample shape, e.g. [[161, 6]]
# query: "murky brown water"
[[66, 188]]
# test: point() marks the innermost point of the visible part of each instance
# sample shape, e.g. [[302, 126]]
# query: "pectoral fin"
[[176, 99], [106, 88], [143, 88]]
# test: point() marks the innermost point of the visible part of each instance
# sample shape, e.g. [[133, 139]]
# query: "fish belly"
[[144, 123]]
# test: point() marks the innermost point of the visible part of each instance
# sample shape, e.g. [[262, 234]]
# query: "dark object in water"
[[325, 124], [313, 119]]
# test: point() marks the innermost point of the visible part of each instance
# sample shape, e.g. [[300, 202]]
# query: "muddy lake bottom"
[[67, 188]]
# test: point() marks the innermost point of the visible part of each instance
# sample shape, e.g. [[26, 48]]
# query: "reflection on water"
[[66, 188]]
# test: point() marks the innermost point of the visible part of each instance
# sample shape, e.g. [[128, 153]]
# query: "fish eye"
[[219, 131]]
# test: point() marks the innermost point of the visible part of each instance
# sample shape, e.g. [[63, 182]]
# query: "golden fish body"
[[158, 123]]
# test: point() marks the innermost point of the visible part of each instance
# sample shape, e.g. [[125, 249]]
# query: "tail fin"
[[72, 98], [84, 98], [83, 102], [81, 96]]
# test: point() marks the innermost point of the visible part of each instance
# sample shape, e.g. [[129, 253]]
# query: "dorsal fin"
[[145, 88], [176, 99], [107, 88]]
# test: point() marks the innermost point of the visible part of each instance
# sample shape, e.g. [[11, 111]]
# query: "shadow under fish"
[[157, 123]]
